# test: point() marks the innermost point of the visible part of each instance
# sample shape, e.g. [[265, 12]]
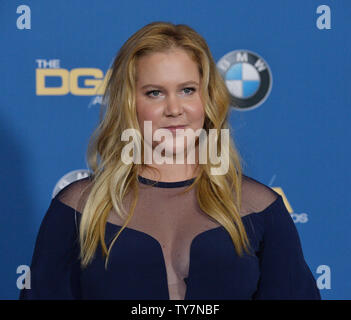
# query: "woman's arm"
[[284, 271], [55, 264]]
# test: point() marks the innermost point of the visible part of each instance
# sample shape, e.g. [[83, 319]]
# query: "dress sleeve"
[[285, 274], [54, 271]]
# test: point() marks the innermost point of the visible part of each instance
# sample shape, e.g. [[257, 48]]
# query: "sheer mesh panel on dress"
[[172, 218]]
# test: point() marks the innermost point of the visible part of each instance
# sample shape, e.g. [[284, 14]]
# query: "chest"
[[170, 267], [172, 233]]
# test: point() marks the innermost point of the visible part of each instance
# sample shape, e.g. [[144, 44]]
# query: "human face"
[[168, 93]]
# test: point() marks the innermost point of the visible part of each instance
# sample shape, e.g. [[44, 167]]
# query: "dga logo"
[[69, 178], [248, 78], [52, 80]]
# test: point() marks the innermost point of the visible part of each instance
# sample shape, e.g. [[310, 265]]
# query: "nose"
[[174, 106]]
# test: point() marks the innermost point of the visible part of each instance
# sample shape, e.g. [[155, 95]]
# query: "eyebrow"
[[180, 85]]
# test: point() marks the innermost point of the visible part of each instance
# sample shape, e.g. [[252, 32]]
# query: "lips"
[[175, 127]]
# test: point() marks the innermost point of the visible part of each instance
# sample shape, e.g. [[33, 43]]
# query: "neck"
[[169, 172]]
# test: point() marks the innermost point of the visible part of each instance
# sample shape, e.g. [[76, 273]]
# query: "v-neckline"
[[158, 244]]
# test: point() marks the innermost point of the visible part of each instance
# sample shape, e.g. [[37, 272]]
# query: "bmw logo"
[[248, 78]]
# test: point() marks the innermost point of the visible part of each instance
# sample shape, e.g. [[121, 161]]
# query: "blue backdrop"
[[296, 140]]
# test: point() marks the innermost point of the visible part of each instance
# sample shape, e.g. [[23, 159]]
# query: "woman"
[[154, 230]]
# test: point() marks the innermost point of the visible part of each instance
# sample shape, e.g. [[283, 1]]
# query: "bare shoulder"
[[75, 194], [256, 196]]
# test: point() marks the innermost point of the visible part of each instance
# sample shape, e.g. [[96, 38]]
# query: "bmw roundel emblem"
[[248, 78]]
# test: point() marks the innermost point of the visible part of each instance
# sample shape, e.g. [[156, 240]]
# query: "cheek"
[[198, 113], [141, 108], [152, 114], [148, 112]]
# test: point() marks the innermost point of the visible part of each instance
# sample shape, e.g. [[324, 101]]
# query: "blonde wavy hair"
[[219, 196]]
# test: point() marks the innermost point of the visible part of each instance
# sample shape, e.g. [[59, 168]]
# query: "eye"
[[191, 90], [152, 91]]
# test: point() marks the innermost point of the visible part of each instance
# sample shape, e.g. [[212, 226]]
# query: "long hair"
[[219, 196]]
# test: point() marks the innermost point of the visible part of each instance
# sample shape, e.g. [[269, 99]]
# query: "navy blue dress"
[[137, 268]]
